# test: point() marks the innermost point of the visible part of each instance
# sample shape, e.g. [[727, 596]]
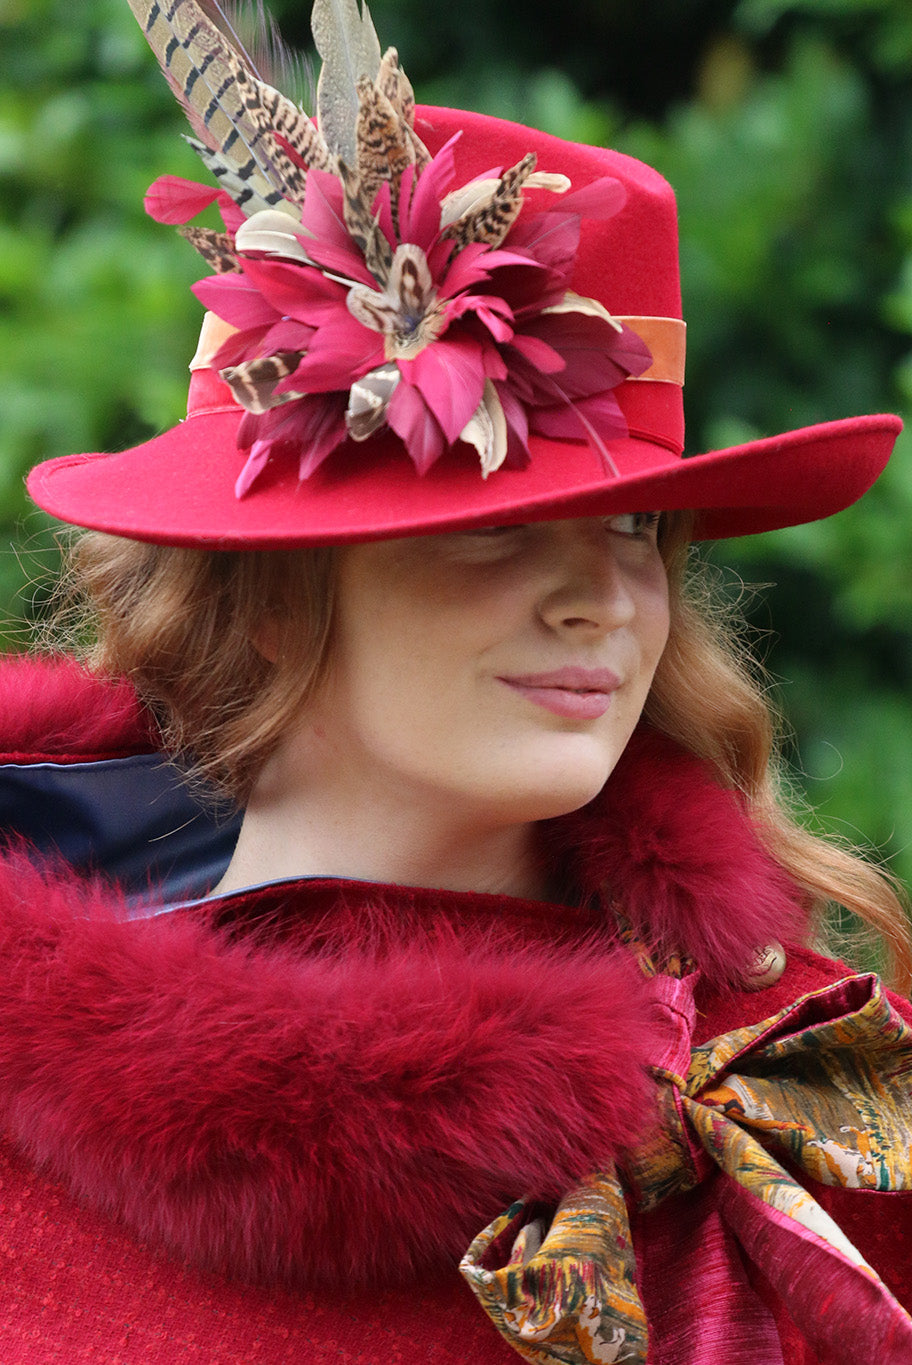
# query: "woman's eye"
[[495, 530], [640, 524]]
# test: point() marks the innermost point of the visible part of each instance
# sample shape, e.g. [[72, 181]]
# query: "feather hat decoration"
[[363, 286]]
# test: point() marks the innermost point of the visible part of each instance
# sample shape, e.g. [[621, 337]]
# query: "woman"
[[512, 912]]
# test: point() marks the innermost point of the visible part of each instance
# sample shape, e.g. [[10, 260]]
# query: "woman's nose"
[[589, 593]]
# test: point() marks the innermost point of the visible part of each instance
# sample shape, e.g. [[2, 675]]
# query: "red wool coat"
[[264, 1128]]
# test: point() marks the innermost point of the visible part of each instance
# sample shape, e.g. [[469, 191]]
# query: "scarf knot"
[[823, 1088]]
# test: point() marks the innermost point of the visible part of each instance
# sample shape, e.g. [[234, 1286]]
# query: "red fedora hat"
[[350, 382]]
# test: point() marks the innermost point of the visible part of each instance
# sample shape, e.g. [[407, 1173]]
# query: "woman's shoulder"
[[805, 972], [83, 783]]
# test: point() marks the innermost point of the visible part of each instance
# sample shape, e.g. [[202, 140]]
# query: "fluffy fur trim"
[[310, 1117], [52, 708], [679, 856]]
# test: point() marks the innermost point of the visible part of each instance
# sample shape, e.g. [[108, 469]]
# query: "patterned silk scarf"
[[824, 1086]]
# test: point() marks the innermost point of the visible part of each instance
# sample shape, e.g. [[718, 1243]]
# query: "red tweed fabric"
[[76, 1288]]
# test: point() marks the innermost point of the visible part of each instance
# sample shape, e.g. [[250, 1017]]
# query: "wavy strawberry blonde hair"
[[182, 625], [709, 694]]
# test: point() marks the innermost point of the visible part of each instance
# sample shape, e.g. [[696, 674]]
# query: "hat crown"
[[629, 262]]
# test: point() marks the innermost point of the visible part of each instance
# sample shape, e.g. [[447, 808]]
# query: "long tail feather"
[[226, 19], [255, 35], [232, 111], [233, 181]]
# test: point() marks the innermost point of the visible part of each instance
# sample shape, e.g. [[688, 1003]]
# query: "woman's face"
[[498, 673]]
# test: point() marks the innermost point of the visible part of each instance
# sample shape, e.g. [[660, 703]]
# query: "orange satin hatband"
[[667, 340]]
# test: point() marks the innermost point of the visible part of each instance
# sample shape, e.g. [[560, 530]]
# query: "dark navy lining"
[[134, 819]]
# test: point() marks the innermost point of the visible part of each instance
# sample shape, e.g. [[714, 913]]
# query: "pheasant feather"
[[394, 84], [491, 220], [291, 125], [363, 227], [350, 48], [369, 400], [351, 314], [253, 381], [244, 123], [383, 147], [234, 182], [255, 35], [216, 248]]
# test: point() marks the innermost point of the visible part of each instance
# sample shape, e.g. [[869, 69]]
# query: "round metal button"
[[766, 968]]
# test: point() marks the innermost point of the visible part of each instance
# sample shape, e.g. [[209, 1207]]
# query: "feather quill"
[[350, 48]]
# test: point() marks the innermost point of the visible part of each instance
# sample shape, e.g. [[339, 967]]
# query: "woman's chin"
[[548, 795]]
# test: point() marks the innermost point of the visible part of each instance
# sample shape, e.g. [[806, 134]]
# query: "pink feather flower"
[[426, 316]]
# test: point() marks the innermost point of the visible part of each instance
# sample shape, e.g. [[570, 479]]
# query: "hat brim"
[[178, 489]]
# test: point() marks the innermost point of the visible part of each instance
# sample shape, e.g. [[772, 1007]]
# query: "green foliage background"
[[786, 129]]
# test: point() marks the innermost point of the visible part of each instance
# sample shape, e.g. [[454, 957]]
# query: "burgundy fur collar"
[[353, 1101], [51, 708], [680, 857]]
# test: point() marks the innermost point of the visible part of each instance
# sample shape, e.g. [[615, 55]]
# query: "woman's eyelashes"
[[498, 530], [622, 523], [640, 524]]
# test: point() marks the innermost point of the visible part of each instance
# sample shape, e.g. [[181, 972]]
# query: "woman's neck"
[[290, 832]]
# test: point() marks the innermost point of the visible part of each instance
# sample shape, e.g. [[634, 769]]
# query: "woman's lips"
[[578, 693]]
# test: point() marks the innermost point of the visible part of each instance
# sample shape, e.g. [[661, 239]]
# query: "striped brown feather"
[[383, 148], [491, 220], [253, 381], [216, 248], [299, 131], [363, 227], [232, 181], [232, 112], [396, 86]]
